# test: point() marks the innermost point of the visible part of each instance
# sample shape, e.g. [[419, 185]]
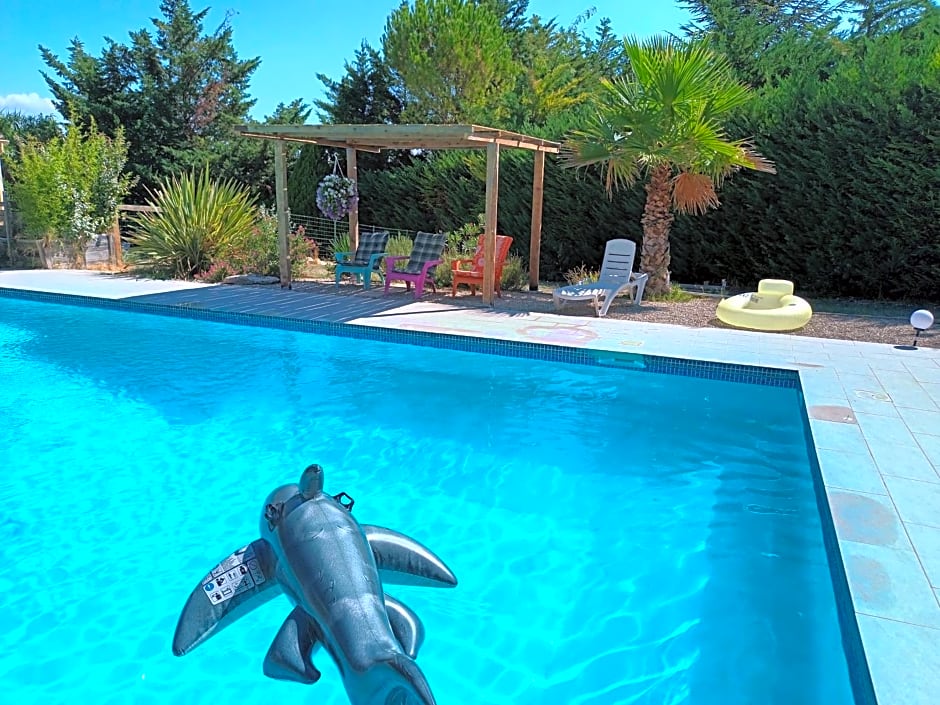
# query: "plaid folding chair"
[[365, 260], [425, 255]]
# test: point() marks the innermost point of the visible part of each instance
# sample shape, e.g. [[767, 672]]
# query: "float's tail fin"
[[396, 681]]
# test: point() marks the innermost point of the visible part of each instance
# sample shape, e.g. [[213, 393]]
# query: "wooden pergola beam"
[[318, 142], [399, 136], [505, 142]]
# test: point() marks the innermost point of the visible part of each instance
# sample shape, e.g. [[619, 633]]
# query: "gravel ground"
[[871, 321], [875, 322]]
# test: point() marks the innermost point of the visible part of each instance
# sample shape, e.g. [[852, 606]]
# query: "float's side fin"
[[236, 586], [403, 561], [406, 626], [290, 654]]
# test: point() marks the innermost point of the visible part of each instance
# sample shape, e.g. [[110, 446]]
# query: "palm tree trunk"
[[657, 221]]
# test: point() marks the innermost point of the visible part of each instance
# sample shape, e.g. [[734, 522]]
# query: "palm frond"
[[693, 193], [757, 161], [667, 111]]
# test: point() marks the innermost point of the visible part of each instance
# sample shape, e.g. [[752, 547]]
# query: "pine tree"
[[874, 17], [175, 89], [366, 94], [766, 40], [454, 59]]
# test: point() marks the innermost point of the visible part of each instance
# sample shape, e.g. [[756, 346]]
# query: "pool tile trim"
[[730, 372], [859, 671]]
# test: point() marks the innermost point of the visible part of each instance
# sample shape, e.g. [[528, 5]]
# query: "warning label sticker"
[[238, 573]]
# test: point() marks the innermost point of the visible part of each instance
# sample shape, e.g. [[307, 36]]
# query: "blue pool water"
[[619, 537]]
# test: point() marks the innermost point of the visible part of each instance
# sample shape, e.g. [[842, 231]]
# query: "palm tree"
[[663, 122]]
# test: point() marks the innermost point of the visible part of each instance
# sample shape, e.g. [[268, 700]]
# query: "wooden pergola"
[[375, 138]]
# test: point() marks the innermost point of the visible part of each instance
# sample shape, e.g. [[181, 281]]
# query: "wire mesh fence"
[[332, 235], [328, 235]]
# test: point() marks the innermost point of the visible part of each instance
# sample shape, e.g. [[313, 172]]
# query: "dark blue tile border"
[[729, 372], [859, 673]]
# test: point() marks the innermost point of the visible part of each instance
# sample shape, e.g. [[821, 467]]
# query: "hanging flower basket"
[[336, 196]]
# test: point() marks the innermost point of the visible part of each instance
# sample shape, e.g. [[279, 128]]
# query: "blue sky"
[[296, 39]]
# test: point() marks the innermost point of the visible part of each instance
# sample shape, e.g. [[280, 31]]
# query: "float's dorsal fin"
[[403, 561], [236, 586]]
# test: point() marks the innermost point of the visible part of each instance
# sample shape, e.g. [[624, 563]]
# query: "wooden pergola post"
[[352, 172], [535, 236], [7, 230], [117, 252], [283, 215], [489, 233]]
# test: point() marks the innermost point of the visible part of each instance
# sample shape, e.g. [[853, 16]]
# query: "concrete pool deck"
[[874, 414]]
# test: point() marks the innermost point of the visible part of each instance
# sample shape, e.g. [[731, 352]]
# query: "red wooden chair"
[[473, 277]]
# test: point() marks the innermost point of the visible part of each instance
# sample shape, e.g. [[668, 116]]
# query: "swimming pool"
[[618, 536]]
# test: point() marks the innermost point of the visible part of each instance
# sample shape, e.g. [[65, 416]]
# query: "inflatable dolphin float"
[[332, 569]]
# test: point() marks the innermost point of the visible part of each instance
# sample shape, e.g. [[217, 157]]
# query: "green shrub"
[[515, 275], [340, 243], [217, 271], [68, 189], [300, 249], [582, 273], [676, 294], [443, 274], [460, 244], [253, 251], [399, 246], [463, 240], [196, 219], [257, 252]]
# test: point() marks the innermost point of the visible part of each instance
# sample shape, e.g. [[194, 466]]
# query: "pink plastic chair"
[[425, 256]]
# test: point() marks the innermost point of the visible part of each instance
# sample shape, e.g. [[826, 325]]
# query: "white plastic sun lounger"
[[617, 276]]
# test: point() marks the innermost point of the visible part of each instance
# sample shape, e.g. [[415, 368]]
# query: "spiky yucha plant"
[[194, 218]]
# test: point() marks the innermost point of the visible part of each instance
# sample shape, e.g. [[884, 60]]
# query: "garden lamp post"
[[921, 320]]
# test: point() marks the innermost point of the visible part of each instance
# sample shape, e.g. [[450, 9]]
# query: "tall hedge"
[[854, 209]]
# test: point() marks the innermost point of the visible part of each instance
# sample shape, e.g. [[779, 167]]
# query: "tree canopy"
[[454, 58], [175, 89]]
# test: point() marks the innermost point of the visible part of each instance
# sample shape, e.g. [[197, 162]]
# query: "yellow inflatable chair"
[[772, 307]]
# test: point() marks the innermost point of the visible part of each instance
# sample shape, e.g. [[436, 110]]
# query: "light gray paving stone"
[[917, 501], [867, 518], [850, 471], [889, 583], [903, 659], [926, 542]]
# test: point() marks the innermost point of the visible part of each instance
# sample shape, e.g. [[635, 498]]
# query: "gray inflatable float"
[[332, 569]]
